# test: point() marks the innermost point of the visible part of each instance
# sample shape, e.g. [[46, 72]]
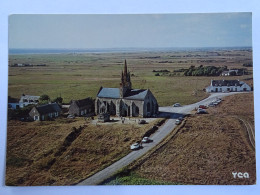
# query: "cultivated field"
[[206, 150]]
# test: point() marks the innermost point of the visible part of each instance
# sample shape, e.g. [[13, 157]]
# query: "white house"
[[25, 100], [230, 72], [227, 86]]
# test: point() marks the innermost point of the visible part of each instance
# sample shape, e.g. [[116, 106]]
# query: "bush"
[[44, 97]]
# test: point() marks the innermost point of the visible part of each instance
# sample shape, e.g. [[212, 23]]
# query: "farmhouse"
[[234, 72], [84, 107], [125, 101], [45, 112], [227, 86], [25, 100]]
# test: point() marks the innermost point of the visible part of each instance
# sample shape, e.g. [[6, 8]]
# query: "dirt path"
[[250, 131]]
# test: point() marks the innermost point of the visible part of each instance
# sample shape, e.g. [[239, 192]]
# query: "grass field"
[[206, 150], [40, 153], [76, 76]]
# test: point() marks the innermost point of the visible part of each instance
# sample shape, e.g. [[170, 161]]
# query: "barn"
[[84, 107]]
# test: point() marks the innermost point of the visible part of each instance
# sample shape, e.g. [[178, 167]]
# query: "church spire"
[[125, 68], [125, 81]]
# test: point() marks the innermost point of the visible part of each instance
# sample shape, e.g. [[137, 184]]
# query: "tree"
[[44, 97], [58, 100]]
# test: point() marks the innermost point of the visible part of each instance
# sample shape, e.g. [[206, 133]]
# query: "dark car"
[[203, 107]]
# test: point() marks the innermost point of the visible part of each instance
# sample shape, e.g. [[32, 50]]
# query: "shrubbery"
[[204, 71]]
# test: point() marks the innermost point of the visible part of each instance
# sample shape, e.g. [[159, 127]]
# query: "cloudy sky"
[[122, 31]]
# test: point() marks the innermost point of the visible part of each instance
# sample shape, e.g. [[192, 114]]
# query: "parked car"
[[180, 118], [215, 103], [177, 105], [201, 111], [203, 106], [70, 116], [135, 146], [211, 104], [177, 122], [218, 100], [141, 122], [146, 140]]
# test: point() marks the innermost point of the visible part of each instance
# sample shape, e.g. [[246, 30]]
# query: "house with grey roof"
[[227, 86], [125, 101], [84, 107], [45, 112], [26, 100]]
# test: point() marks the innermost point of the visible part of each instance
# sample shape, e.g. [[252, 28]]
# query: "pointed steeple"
[[122, 77], [125, 81], [125, 68]]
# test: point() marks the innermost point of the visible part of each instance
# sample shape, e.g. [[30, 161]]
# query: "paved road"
[[161, 133]]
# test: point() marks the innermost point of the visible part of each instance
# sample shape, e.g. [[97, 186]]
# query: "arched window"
[[148, 108], [136, 111]]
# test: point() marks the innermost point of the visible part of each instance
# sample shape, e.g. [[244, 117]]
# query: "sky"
[[124, 31]]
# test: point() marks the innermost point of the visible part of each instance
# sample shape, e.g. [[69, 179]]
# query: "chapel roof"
[[131, 94]]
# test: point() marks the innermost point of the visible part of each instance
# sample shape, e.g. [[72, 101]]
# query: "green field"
[[77, 76]]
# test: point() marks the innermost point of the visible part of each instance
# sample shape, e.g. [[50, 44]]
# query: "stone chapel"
[[125, 101]]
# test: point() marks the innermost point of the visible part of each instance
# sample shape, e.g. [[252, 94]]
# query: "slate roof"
[[48, 108], [136, 94], [83, 102], [109, 93], [226, 83], [133, 94], [29, 97]]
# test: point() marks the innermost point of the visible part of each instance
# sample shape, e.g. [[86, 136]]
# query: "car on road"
[[203, 106], [177, 122], [211, 104], [146, 140], [201, 111], [135, 146], [177, 105], [181, 118]]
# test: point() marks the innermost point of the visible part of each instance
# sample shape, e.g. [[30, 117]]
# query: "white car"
[[135, 146], [146, 140], [177, 105], [177, 122]]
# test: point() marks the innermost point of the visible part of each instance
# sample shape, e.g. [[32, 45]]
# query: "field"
[[206, 150], [65, 151], [80, 75]]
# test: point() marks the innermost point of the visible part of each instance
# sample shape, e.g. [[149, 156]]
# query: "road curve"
[[173, 113]]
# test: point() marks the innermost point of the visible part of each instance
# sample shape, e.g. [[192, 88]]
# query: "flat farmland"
[[43, 153], [80, 75]]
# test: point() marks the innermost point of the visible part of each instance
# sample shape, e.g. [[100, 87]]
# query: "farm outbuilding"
[[84, 107], [45, 112]]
